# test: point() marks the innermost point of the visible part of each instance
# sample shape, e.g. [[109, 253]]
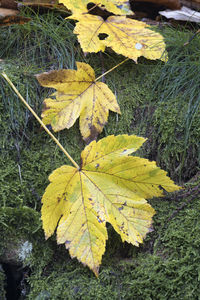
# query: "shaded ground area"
[[157, 101]]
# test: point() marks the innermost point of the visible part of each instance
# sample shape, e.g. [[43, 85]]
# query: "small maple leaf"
[[110, 187], [118, 7], [78, 94], [125, 36]]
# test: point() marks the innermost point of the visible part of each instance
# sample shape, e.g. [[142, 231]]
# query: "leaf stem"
[[111, 69], [40, 121], [91, 8]]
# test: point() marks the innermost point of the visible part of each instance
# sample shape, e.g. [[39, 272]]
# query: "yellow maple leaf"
[[125, 36], [109, 187], [78, 94], [118, 7]]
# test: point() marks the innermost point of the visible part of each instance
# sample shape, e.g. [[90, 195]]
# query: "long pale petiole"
[[40, 121]]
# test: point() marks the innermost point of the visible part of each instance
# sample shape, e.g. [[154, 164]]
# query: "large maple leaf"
[[125, 36], [118, 7], [109, 187], [78, 94]]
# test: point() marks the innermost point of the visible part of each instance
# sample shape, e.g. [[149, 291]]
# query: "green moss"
[[17, 226], [165, 267]]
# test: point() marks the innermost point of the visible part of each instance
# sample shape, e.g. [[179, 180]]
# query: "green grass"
[[179, 79], [46, 41], [158, 101]]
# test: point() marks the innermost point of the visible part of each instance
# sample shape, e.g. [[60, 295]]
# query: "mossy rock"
[[157, 101], [166, 267]]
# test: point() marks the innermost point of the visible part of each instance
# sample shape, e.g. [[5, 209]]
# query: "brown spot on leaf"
[[44, 106], [93, 135], [100, 123], [52, 77]]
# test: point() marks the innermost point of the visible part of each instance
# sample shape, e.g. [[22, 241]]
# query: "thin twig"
[[192, 37], [40, 121], [102, 75]]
